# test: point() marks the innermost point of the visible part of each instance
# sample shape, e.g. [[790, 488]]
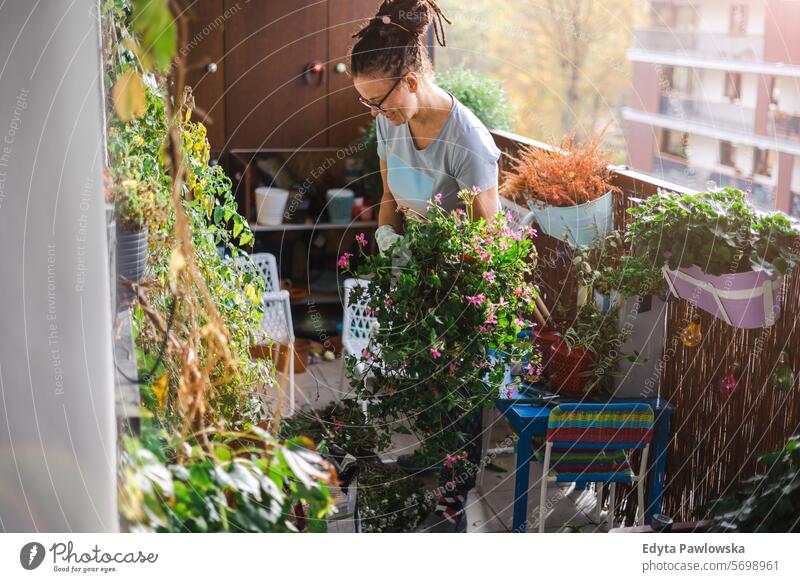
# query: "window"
[[738, 21], [733, 86], [675, 143], [762, 162], [726, 154]]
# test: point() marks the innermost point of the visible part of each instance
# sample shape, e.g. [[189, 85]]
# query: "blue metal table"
[[528, 420]]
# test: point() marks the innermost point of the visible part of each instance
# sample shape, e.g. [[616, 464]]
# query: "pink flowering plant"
[[444, 316]]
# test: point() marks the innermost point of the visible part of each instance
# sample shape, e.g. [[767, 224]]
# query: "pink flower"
[[519, 322], [338, 426], [435, 354], [362, 240], [438, 198], [344, 260], [489, 276], [476, 299], [389, 302], [365, 353]]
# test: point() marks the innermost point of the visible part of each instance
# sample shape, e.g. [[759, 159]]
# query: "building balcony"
[[784, 125], [731, 116], [701, 44]]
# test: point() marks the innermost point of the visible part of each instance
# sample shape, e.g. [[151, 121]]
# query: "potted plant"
[[633, 289], [585, 360], [568, 189], [447, 299], [718, 252]]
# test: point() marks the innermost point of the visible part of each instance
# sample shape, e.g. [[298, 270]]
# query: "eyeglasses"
[[377, 106]]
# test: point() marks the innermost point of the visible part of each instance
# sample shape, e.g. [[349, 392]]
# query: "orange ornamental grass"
[[566, 176]]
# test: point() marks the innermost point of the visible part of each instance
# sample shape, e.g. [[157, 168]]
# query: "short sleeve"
[[476, 164], [381, 138]]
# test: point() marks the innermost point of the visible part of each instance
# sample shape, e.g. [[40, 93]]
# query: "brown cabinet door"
[[346, 115], [269, 103], [203, 54]]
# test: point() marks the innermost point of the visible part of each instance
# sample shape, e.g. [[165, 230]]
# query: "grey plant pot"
[[131, 259], [644, 316]]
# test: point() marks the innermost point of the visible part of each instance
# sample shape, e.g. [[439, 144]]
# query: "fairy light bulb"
[[692, 334], [730, 381], [783, 377]]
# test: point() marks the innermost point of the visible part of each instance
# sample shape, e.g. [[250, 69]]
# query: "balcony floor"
[[572, 510]]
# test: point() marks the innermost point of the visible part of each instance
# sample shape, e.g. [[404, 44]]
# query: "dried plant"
[[566, 176]]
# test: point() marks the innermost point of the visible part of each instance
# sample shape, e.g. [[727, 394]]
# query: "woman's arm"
[[486, 204], [388, 214]]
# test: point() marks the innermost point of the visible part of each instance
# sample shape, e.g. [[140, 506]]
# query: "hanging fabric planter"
[[745, 300]]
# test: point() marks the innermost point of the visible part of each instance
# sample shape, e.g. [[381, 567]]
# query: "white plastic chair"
[[357, 324], [276, 323]]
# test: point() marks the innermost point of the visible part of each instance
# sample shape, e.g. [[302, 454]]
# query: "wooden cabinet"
[[205, 66], [346, 116], [259, 97]]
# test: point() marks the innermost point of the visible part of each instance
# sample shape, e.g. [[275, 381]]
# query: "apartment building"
[[716, 96]]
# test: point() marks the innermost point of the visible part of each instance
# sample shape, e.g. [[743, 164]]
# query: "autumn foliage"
[[569, 175]]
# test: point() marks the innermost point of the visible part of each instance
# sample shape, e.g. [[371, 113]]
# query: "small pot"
[[131, 260], [605, 302]]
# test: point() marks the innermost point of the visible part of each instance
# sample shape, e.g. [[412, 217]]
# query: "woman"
[[428, 143]]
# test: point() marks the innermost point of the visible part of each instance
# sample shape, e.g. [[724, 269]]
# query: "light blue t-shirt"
[[463, 155]]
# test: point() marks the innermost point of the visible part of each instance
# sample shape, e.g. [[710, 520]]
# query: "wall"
[[57, 431]]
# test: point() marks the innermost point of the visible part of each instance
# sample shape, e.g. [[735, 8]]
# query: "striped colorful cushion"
[[583, 464], [631, 427]]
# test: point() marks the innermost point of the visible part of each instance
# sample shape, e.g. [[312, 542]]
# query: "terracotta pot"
[[566, 370]]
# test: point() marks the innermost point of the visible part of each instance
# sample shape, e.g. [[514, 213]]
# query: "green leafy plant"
[[443, 314], [390, 501], [485, 97], [599, 334], [247, 482], [342, 423], [769, 501], [606, 266], [718, 230]]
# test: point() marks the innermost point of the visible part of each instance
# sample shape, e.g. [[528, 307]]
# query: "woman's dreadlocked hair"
[[392, 43]]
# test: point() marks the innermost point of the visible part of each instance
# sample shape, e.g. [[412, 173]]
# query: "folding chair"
[[589, 443], [276, 323], [357, 325]]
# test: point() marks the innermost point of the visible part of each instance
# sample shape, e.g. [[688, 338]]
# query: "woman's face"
[[398, 100]]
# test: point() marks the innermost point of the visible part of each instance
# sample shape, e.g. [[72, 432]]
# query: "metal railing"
[[702, 44]]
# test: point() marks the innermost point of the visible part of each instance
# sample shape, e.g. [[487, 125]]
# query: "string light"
[[692, 334]]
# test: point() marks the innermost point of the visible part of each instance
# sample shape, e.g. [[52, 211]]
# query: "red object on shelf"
[[566, 370]]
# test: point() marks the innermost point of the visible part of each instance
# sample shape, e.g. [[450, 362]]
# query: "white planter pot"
[[580, 225], [270, 203], [645, 318]]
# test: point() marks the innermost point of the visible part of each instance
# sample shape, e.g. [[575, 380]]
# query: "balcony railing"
[[702, 44], [784, 125], [730, 116]]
